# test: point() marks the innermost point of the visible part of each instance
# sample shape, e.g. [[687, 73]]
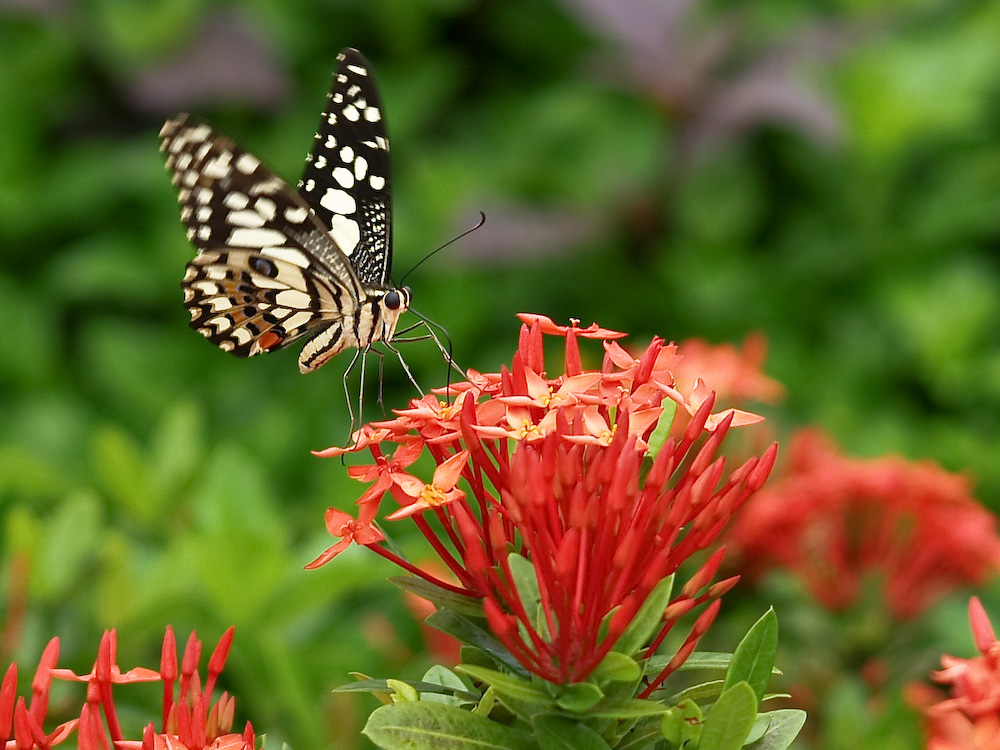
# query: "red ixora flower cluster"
[[191, 722], [572, 472], [835, 521], [970, 717]]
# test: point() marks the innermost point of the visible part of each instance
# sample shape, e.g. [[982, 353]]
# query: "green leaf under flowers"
[[708, 660], [526, 582], [754, 657], [647, 619], [783, 727], [441, 598], [703, 692], [616, 667], [561, 733], [729, 721], [632, 708], [642, 736], [431, 726], [662, 430], [383, 686], [507, 685], [579, 697], [440, 675], [402, 692], [469, 631], [487, 702], [681, 724]]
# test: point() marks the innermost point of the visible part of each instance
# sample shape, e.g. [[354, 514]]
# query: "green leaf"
[[561, 733], [632, 708], [487, 702], [508, 685], [642, 736], [402, 692], [704, 693], [662, 430], [384, 686], [431, 726], [470, 632], [526, 583], [647, 619], [682, 723], [730, 719], [178, 446], [70, 541], [783, 727], [121, 468], [439, 675], [616, 667], [441, 598], [579, 697], [753, 659]]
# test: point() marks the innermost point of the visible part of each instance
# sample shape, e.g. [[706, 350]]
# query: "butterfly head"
[[397, 299]]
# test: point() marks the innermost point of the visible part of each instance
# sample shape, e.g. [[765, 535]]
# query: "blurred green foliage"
[[831, 177]]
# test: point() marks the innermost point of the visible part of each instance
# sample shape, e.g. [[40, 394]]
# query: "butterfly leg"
[[361, 389], [406, 367], [429, 334]]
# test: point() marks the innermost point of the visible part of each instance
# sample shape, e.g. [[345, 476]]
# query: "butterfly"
[[275, 264]]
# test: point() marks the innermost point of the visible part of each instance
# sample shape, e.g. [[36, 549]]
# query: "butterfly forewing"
[[267, 273], [346, 178]]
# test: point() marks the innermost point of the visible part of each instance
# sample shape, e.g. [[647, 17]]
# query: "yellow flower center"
[[432, 496], [528, 431]]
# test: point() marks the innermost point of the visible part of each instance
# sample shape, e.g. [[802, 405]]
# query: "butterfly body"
[[277, 264]]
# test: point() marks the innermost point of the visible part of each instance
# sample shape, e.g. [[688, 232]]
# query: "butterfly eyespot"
[[264, 266], [271, 339], [392, 300]]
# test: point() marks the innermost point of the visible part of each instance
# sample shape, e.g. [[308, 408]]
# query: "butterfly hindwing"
[[267, 272], [346, 178], [246, 302]]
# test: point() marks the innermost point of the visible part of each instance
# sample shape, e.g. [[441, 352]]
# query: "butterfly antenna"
[[482, 220]]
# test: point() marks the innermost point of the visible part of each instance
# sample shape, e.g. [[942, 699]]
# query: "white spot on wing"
[[293, 298], [218, 167], [242, 336], [236, 200], [266, 208], [344, 177], [256, 237], [296, 214], [297, 320], [377, 182], [246, 218], [346, 233], [338, 201], [247, 163]]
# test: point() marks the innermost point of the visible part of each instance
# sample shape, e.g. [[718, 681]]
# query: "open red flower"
[[835, 521], [970, 717], [573, 474]]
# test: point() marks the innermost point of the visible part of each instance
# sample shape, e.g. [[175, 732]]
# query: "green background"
[[826, 173]]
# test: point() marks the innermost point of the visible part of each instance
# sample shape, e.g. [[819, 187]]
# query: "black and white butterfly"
[[275, 264]]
